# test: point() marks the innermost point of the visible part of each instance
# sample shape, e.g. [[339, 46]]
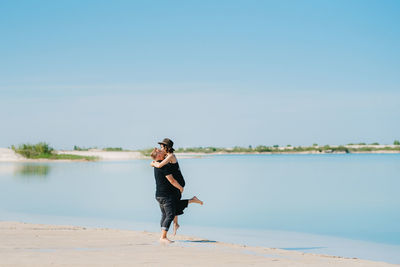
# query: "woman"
[[171, 162]]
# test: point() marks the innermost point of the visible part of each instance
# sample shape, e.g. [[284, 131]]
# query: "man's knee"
[[170, 209]]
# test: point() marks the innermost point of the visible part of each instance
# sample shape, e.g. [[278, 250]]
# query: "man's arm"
[[174, 182]]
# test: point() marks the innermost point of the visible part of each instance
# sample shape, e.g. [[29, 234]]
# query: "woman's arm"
[[164, 162], [174, 182]]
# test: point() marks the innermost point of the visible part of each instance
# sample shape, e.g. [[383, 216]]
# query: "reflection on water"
[[32, 170]]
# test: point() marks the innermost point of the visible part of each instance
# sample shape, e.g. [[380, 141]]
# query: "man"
[[165, 194]]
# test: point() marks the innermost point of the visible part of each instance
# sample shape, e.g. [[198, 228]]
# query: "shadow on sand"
[[198, 241], [305, 248]]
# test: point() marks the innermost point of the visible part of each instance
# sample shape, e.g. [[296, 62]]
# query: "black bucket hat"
[[167, 142]]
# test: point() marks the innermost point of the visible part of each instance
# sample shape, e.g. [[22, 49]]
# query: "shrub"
[[42, 150], [263, 149], [112, 149], [82, 148], [340, 148], [33, 151]]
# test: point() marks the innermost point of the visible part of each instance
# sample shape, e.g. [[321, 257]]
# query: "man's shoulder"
[[163, 170], [158, 169]]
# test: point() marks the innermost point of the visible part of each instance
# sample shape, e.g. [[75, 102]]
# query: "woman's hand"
[[156, 164]]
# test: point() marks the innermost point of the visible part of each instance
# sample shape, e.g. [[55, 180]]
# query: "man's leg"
[[164, 238], [169, 208], [160, 201]]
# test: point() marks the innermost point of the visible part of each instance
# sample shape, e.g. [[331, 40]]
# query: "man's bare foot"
[[165, 241], [196, 200], [176, 226]]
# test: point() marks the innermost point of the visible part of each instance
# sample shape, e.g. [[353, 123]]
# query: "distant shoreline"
[[8, 155], [314, 149], [287, 153]]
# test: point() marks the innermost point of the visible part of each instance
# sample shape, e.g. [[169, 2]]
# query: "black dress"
[[181, 204]]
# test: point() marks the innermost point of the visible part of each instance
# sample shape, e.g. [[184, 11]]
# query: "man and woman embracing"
[[169, 187]]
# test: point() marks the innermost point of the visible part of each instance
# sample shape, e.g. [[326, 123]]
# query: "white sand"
[[9, 155], [49, 245], [105, 155]]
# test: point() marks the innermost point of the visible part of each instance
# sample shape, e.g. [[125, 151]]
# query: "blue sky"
[[218, 73]]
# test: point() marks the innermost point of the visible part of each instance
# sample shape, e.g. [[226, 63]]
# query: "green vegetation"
[[276, 149], [113, 149], [396, 143], [340, 149], [73, 157], [33, 151], [77, 148], [42, 150]]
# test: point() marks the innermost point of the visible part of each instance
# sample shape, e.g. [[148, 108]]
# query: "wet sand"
[[23, 244]]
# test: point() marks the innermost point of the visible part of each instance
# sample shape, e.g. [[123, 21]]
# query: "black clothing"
[[174, 169], [181, 204], [167, 195], [168, 207], [163, 187]]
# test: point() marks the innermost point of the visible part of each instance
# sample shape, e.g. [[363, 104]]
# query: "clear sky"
[[204, 73]]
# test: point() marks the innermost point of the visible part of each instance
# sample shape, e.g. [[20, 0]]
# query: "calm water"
[[344, 205]]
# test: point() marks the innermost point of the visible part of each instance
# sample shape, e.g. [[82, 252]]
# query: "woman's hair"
[[168, 149]]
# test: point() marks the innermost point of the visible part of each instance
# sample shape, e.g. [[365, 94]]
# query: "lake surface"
[[346, 205]]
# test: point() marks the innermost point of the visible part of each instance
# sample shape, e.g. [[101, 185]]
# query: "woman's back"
[[176, 173]]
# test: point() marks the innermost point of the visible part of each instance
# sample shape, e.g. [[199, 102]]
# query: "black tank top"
[[176, 173]]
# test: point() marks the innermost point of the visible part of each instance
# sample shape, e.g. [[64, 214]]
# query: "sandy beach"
[[23, 244], [8, 155], [105, 155]]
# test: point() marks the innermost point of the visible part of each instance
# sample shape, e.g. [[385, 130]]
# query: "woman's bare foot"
[[195, 200], [165, 241], [176, 226]]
